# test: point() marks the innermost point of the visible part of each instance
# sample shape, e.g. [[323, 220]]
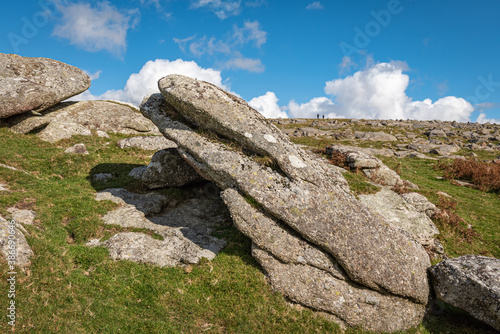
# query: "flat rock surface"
[[471, 283], [36, 83], [22, 216], [420, 202]]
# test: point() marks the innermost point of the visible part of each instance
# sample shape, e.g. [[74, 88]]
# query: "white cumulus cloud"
[[102, 27], [318, 105], [146, 81], [379, 92], [267, 105], [483, 118]]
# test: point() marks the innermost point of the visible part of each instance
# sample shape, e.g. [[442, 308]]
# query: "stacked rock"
[[317, 243]]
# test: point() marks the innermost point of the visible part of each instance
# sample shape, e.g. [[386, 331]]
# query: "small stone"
[[102, 177], [102, 134], [77, 149], [442, 193], [137, 172], [22, 216]]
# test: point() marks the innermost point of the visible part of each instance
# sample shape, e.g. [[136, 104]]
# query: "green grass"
[[70, 288], [359, 184], [479, 209]]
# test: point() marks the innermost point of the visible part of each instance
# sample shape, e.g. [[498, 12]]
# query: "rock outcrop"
[[36, 83], [470, 283], [300, 199], [67, 119], [372, 167]]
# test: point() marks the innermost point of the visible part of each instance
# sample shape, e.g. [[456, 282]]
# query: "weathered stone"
[[421, 203], [371, 166], [168, 169], [186, 230], [354, 156], [424, 148], [22, 216], [102, 177], [36, 83], [445, 149], [137, 172], [437, 133], [149, 203], [149, 143], [352, 304], [276, 238], [394, 209], [412, 154], [372, 252], [102, 134], [214, 109], [22, 250], [56, 131], [471, 283], [139, 247], [308, 132], [79, 118], [378, 136], [77, 149]]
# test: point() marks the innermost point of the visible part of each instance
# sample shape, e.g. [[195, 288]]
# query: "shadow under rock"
[[195, 210], [16, 119], [117, 177]]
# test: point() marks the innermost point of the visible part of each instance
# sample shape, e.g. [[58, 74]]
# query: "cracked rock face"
[[36, 83], [471, 283], [300, 201]]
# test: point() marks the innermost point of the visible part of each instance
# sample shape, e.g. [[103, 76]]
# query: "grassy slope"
[[70, 288]]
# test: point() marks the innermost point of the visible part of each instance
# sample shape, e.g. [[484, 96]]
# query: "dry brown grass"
[[484, 175], [446, 216]]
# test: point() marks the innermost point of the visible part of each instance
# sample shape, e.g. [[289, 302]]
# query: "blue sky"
[[358, 58]]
